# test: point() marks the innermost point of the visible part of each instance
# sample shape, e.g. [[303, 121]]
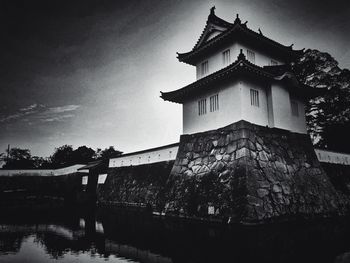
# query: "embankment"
[[38, 191]]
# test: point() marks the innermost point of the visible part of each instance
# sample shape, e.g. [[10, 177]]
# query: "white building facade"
[[241, 75]]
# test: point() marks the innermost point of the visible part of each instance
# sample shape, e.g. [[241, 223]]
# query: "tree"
[[65, 156], [62, 156], [42, 163], [17, 158], [83, 155], [327, 116], [107, 153]]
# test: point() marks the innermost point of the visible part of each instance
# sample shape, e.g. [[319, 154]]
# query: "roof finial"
[[212, 10], [241, 56], [237, 20]]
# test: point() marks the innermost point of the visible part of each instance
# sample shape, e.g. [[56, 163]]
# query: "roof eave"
[[240, 66], [192, 57]]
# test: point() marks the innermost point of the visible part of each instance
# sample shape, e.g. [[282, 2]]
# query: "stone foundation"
[[248, 173]]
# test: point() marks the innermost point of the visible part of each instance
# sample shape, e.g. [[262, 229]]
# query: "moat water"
[[119, 236]]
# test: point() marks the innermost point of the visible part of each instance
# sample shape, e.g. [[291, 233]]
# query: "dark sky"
[[89, 72]]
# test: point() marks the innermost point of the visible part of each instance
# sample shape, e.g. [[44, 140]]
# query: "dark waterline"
[[120, 236]]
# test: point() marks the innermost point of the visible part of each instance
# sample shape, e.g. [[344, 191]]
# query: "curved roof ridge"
[[212, 21], [237, 25]]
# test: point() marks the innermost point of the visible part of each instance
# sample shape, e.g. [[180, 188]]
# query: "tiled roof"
[[212, 22], [241, 67], [237, 30], [148, 150], [93, 164]]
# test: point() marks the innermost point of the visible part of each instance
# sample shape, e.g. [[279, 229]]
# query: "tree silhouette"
[[109, 152], [17, 158], [62, 156], [327, 116]]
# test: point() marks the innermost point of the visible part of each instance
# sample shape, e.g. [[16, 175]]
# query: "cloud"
[[39, 112], [29, 108], [57, 118], [10, 117], [20, 113], [63, 108]]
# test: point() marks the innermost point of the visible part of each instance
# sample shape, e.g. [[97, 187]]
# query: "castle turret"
[[241, 75], [245, 155]]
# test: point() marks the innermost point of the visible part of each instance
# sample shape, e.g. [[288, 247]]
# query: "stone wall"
[[142, 185], [249, 173]]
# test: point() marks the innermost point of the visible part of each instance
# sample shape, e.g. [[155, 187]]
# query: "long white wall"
[[29, 172], [43, 172], [155, 155], [169, 154], [332, 157], [215, 60]]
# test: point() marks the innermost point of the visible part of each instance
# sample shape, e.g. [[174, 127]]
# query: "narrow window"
[[214, 102], [294, 106], [204, 68], [226, 57], [254, 97], [202, 106], [250, 56], [273, 62]]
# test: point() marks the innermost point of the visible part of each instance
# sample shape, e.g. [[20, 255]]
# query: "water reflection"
[[119, 236]]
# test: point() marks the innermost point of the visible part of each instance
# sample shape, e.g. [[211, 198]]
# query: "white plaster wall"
[[151, 156], [70, 170], [254, 114], [101, 178], [298, 123], [33, 172], [332, 157], [270, 107], [229, 110], [282, 112], [84, 180], [215, 60], [281, 106], [261, 57], [234, 105], [44, 172]]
